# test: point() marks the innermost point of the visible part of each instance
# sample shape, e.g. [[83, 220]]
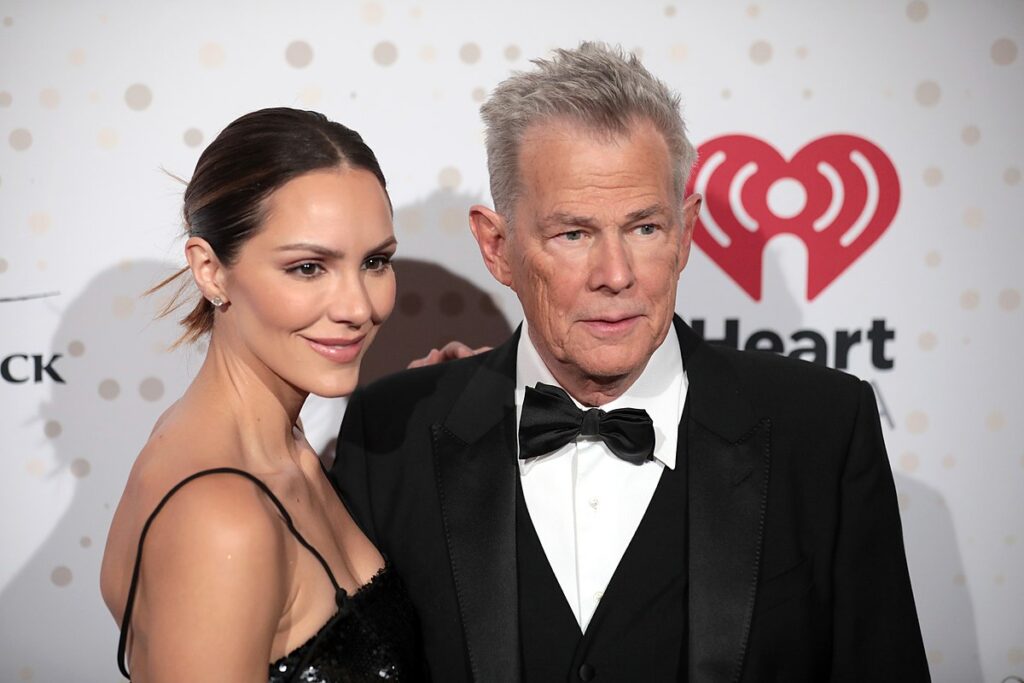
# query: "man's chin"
[[604, 367]]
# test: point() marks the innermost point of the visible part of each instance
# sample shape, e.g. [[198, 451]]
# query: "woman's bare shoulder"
[[212, 510], [214, 578], [215, 515], [228, 505], [183, 441]]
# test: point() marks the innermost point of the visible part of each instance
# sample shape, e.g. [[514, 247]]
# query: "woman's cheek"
[[382, 294], [284, 301]]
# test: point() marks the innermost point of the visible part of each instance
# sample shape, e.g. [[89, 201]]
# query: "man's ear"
[[206, 269], [491, 232], [691, 210]]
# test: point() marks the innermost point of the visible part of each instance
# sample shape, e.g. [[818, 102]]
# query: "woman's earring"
[[217, 302]]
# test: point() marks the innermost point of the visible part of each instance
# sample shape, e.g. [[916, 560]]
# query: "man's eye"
[[648, 229], [573, 235]]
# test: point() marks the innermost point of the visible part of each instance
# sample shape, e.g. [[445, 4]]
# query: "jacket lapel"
[[727, 451], [475, 466]]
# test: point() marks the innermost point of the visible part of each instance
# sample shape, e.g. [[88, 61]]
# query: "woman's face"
[[310, 289]]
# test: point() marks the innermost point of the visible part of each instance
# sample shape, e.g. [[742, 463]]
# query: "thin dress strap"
[[130, 602]]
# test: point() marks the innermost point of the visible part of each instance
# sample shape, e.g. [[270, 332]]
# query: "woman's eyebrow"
[[315, 248]]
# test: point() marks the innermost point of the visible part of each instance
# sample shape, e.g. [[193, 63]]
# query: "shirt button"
[[594, 502], [598, 595]]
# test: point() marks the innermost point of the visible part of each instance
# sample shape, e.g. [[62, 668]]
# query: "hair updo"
[[225, 201]]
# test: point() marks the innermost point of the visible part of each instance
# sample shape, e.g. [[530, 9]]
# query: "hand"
[[450, 351]]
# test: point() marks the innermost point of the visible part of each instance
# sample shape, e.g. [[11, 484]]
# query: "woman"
[[230, 551]]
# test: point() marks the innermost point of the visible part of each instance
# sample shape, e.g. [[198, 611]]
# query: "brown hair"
[[254, 156]]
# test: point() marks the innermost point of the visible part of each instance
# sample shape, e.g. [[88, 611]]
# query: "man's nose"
[[611, 267]]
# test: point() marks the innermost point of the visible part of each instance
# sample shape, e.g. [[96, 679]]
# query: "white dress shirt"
[[586, 503]]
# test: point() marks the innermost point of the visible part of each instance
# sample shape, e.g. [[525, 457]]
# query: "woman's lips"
[[337, 350]]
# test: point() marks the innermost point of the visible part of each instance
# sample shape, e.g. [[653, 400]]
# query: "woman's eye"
[[307, 269], [377, 262]]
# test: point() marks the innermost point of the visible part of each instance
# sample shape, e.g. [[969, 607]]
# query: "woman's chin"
[[335, 387]]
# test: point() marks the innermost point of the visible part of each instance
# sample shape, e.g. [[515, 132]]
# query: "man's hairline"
[[597, 131]]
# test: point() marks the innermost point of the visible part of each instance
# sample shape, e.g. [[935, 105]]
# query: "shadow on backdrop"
[[434, 306], [941, 590], [119, 378], [779, 309]]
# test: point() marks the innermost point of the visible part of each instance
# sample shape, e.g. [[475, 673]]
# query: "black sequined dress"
[[371, 637]]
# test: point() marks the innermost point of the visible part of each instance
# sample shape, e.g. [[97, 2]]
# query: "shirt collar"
[[660, 390]]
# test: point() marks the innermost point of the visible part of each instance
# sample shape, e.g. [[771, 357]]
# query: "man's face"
[[598, 242]]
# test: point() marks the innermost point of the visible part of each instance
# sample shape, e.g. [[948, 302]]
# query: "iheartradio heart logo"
[[838, 194]]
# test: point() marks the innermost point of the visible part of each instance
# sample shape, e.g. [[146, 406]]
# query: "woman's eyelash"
[[382, 261], [306, 269]]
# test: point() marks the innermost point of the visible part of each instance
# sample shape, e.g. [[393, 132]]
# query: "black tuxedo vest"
[[638, 631]]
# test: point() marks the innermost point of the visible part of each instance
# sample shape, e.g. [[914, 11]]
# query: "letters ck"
[[19, 368]]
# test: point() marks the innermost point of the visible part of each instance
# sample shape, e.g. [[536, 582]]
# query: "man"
[[737, 521]]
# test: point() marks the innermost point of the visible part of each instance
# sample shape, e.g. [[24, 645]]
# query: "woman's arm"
[[213, 586]]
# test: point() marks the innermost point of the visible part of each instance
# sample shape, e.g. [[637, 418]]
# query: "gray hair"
[[596, 85]]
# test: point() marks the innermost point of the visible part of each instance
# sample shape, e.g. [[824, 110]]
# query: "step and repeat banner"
[[861, 164]]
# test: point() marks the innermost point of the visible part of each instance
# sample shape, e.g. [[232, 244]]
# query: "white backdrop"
[[97, 97]]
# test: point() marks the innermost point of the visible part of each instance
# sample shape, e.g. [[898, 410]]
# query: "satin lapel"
[[476, 469], [728, 453]]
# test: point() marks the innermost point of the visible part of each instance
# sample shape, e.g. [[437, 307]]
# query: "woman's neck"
[[238, 391]]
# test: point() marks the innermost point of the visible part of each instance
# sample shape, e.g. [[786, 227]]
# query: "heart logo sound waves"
[[838, 194]]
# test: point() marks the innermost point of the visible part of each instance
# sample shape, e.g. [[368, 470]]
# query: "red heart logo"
[[850, 196]]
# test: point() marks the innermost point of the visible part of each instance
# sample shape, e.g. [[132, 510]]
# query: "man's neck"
[[595, 393], [589, 391]]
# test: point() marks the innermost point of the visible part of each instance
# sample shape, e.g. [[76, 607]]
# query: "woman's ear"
[[207, 270]]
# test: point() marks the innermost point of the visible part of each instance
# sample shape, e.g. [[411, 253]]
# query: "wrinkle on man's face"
[[597, 248]]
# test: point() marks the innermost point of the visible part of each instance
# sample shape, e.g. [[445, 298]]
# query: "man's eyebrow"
[[647, 212], [565, 218]]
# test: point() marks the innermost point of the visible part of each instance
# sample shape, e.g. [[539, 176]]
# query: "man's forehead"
[[575, 148], [573, 173]]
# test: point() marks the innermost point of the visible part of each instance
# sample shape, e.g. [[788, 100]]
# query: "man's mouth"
[[611, 325]]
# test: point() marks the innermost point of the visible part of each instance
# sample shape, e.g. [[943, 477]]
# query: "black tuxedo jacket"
[[797, 570]]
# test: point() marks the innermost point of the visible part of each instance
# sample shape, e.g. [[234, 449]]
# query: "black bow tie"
[[550, 420]]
